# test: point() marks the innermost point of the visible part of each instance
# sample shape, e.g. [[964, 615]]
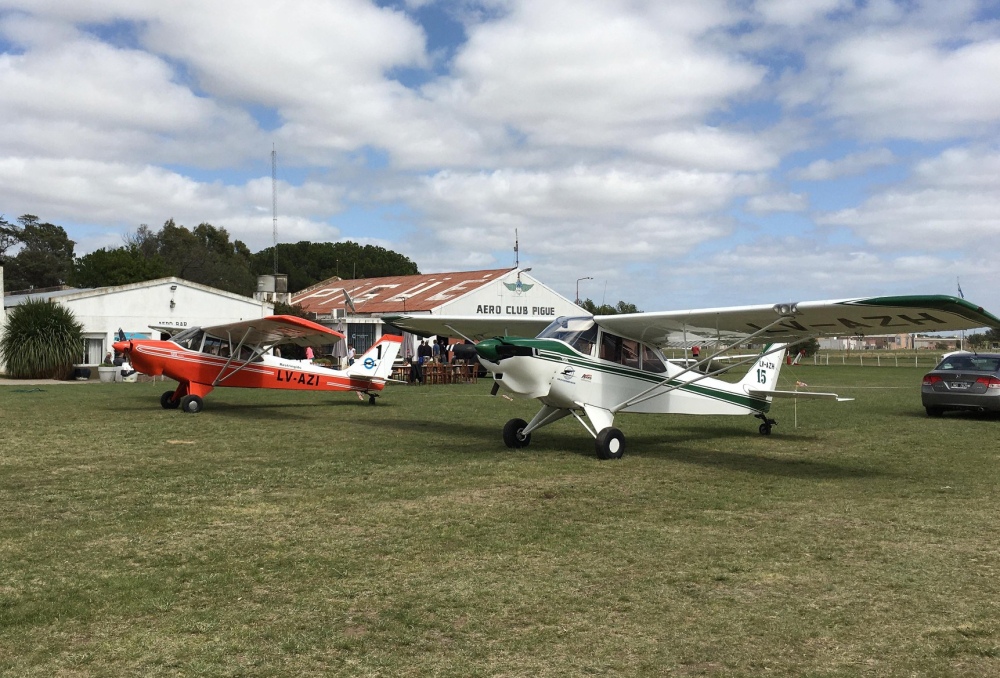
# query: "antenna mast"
[[274, 204], [517, 256]]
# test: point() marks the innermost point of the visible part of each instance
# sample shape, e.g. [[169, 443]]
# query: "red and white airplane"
[[238, 355]]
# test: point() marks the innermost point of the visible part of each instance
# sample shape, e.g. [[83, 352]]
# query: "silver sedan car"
[[963, 381]]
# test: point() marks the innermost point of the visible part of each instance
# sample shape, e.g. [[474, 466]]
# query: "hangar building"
[[505, 292]]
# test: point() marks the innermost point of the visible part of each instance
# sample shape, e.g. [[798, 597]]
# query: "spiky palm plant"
[[42, 340]]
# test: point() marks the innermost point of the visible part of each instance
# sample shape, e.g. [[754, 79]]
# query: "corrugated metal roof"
[[394, 294]]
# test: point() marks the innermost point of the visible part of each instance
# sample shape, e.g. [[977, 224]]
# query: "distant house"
[[889, 341]]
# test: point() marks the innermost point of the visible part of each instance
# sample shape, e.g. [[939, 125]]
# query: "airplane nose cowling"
[[495, 350], [122, 346], [487, 350]]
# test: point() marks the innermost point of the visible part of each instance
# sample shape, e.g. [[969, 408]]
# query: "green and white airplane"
[[593, 367]]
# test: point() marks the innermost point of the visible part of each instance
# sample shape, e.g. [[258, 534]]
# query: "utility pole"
[[274, 204]]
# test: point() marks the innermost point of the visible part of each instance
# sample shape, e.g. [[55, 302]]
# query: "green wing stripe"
[[941, 302]]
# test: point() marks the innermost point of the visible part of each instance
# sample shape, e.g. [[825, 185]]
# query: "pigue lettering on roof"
[[394, 294]]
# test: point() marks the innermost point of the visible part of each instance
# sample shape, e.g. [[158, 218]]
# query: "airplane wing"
[[788, 322], [276, 329], [475, 328]]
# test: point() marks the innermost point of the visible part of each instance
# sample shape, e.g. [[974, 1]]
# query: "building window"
[[93, 350]]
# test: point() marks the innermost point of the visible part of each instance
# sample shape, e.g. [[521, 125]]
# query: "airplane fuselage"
[[184, 365], [561, 377]]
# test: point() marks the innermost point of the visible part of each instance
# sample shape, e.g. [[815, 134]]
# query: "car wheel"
[[934, 411]]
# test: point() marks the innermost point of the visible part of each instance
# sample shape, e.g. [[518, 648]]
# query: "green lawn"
[[297, 534]]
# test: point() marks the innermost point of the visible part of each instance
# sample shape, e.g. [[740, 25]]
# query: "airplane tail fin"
[[376, 362], [763, 373]]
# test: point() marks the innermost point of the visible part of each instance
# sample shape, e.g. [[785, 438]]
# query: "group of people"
[[310, 354], [426, 352], [119, 360]]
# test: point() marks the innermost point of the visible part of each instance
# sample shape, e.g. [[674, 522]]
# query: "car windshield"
[[978, 363], [580, 333]]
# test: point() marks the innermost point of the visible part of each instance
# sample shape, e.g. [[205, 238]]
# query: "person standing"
[[350, 355]]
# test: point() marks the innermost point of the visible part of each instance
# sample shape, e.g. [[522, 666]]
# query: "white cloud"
[[617, 136], [794, 13], [89, 192], [849, 165], [777, 202], [951, 202], [592, 73], [895, 84]]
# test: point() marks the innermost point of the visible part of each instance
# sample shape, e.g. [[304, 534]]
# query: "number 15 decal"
[[761, 376]]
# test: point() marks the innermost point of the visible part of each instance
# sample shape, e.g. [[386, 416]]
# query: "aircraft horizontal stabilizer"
[[815, 395]]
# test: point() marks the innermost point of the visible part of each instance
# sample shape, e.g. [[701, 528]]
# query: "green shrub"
[[42, 340]]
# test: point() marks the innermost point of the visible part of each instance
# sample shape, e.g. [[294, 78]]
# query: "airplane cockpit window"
[[189, 338], [651, 362], [580, 333], [619, 350], [215, 346]]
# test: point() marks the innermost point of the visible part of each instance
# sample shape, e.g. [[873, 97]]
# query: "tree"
[[9, 237], [810, 346], [607, 309], [987, 339], [118, 266], [45, 258], [41, 340], [204, 255], [307, 263]]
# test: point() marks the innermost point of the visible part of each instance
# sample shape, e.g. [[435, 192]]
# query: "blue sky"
[[680, 154]]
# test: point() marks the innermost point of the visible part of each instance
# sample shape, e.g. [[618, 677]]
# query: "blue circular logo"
[[369, 363]]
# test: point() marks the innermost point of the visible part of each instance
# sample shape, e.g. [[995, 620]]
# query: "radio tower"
[[274, 204]]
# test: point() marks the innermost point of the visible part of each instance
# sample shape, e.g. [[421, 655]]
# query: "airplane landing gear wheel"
[[192, 404], [371, 398], [167, 401], [610, 443], [765, 424], [512, 436]]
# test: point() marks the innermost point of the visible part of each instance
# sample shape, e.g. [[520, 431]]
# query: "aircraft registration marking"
[[290, 377], [921, 319]]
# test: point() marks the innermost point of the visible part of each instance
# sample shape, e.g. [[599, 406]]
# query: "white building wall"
[[3, 318], [531, 299], [168, 302]]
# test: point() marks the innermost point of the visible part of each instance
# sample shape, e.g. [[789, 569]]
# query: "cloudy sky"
[[680, 154]]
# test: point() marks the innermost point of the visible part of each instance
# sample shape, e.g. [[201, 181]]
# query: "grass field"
[[297, 534]]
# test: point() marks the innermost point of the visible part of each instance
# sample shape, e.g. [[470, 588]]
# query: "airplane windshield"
[[580, 333], [189, 338]]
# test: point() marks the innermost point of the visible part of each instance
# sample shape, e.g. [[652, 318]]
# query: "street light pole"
[[578, 288]]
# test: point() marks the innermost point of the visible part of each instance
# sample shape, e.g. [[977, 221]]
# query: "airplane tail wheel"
[[371, 399], [167, 401], [512, 436], [610, 443], [764, 429], [192, 404]]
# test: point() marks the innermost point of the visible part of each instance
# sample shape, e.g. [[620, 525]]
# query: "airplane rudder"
[[763, 373], [376, 361]]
